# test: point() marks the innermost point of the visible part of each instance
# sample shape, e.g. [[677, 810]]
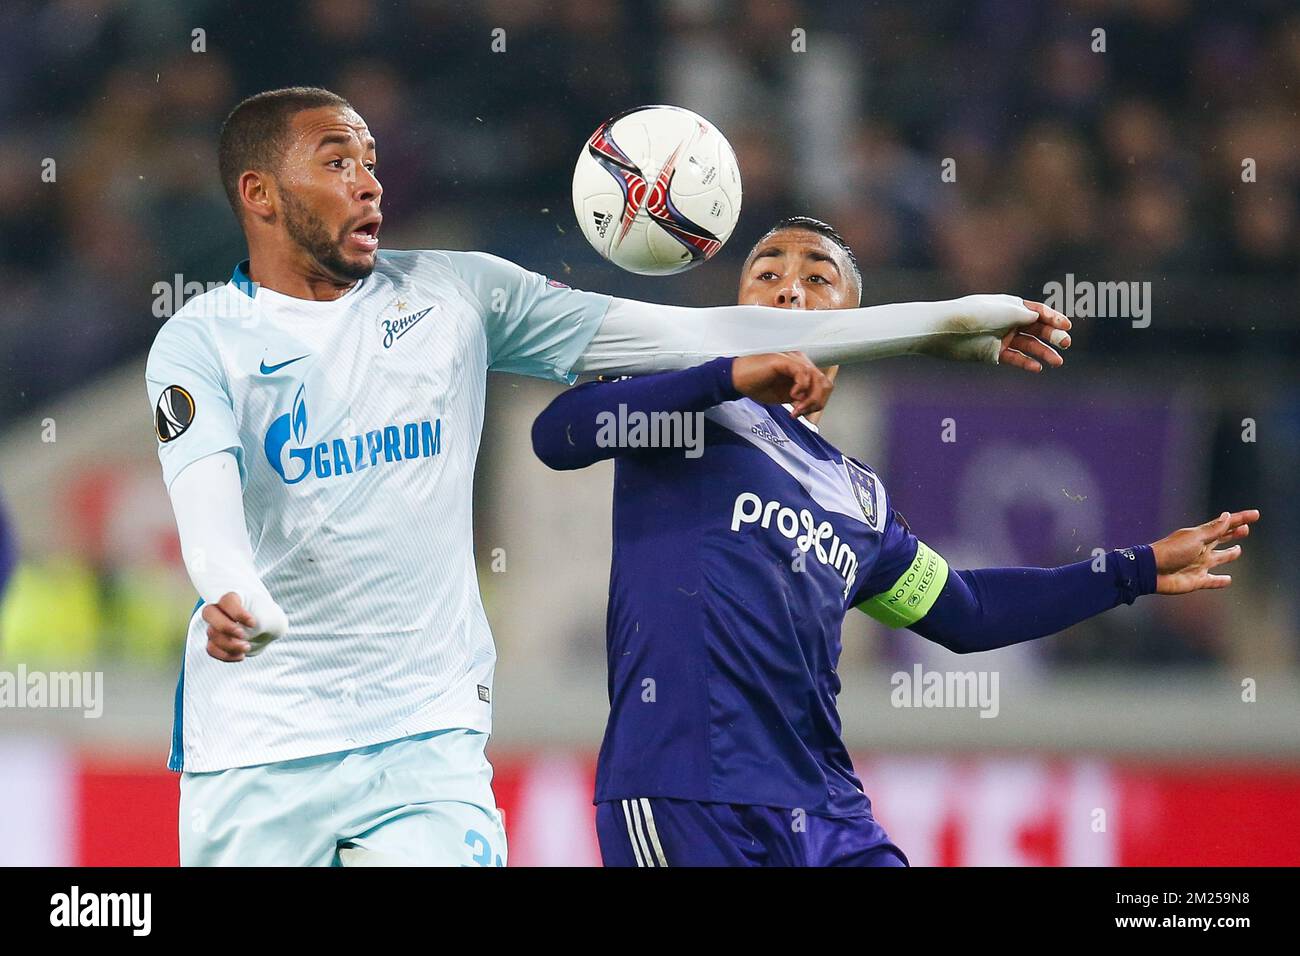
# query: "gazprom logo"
[[293, 459]]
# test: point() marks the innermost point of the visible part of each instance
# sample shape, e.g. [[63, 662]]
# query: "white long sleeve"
[[639, 337], [209, 507]]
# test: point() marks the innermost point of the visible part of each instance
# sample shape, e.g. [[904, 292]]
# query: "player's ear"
[[257, 194]]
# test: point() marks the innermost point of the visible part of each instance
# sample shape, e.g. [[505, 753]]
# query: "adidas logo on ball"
[[656, 190]]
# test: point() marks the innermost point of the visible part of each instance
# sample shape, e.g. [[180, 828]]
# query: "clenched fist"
[[775, 378], [235, 633]]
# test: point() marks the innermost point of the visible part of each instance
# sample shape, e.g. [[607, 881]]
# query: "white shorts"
[[418, 801]]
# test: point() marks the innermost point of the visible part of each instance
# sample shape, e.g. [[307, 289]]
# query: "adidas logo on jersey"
[[767, 430], [818, 539]]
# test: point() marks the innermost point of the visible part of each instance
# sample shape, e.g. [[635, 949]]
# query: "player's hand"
[[234, 633], [1184, 558], [775, 378], [1001, 329], [1028, 347]]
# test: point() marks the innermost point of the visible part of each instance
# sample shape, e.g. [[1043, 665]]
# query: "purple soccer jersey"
[[735, 561], [732, 571]]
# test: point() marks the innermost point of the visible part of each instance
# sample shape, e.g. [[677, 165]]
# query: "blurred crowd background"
[[1115, 157]]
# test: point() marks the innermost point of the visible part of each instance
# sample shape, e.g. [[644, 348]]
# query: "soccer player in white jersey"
[[318, 420]]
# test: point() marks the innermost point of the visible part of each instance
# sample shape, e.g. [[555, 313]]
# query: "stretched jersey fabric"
[[734, 564], [355, 424]]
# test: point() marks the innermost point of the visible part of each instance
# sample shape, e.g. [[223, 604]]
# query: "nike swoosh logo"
[[268, 369]]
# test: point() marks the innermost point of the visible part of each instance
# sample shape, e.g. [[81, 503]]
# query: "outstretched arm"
[[636, 338], [968, 611], [994, 607], [540, 327]]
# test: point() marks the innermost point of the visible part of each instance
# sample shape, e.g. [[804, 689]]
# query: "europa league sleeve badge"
[[174, 414]]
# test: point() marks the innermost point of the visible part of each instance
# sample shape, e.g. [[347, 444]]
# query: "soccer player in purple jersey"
[[734, 563]]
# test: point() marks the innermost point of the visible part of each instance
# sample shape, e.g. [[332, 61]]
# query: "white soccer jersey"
[[356, 425]]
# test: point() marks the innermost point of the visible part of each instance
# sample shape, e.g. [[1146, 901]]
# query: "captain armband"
[[913, 594]]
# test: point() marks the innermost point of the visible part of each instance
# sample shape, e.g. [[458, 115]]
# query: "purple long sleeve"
[[994, 607], [976, 610], [565, 434]]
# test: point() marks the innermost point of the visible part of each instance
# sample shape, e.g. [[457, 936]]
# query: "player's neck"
[[294, 275], [816, 417]]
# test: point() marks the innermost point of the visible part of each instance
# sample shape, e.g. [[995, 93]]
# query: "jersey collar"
[[802, 421], [241, 281]]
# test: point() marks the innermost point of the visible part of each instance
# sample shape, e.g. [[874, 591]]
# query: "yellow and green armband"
[[913, 594]]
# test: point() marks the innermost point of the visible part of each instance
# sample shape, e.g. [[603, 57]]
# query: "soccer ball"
[[657, 190]]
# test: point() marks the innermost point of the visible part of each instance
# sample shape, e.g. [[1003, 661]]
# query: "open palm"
[[1185, 558]]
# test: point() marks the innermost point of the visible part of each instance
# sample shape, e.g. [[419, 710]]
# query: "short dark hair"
[[253, 135], [809, 224]]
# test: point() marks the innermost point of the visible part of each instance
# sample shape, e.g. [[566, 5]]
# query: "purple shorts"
[[657, 831]]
